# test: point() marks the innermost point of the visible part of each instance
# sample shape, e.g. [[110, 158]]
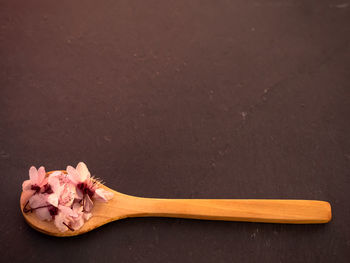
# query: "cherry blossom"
[[36, 180], [65, 198]]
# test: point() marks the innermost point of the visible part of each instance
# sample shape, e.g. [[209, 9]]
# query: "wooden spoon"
[[250, 210]]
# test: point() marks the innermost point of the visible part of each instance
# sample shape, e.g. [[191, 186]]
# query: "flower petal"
[[77, 223], [26, 195], [26, 185], [103, 195], [41, 175], [61, 177], [59, 220], [43, 214], [53, 199], [79, 194], [37, 200], [67, 195], [67, 211], [73, 175], [54, 182], [56, 173], [88, 204], [77, 208], [33, 175], [83, 171]]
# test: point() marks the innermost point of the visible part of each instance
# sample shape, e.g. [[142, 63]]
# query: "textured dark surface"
[[179, 99]]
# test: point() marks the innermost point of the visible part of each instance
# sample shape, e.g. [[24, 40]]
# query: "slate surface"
[[179, 99]]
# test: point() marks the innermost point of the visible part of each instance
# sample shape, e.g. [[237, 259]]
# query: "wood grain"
[[252, 210]]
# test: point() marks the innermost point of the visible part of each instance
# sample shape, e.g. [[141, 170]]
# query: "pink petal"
[[79, 194], [59, 220], [33, 175], [103, 195], [83, 171], [67, 211], [73, 175], [43, 214], [41, 175], [37, 200], [44, 181], [61, 177], [88, 204], [54, 182], [77, 208], [67, 195], [77, 223], [26, 185]]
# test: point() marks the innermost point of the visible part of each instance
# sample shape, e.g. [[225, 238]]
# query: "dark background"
[[179, 99]]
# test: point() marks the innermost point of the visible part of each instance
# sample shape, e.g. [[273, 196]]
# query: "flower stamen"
[[47, 189], [36, 188]]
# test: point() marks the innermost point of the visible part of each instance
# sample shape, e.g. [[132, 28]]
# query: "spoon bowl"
[[248, 210]]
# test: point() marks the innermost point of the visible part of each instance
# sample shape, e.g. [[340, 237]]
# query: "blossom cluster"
[[64, 197]]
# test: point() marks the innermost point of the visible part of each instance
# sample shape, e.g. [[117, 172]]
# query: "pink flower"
[[66, 198], [78, 175], [36, 180], [86, 187], [81, 177]]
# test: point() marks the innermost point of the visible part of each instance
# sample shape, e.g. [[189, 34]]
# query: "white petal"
[[56, 173], [103, 195], [53, 199], [83, 171]]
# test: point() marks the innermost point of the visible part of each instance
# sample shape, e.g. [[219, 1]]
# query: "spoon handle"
[[251, 210]]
